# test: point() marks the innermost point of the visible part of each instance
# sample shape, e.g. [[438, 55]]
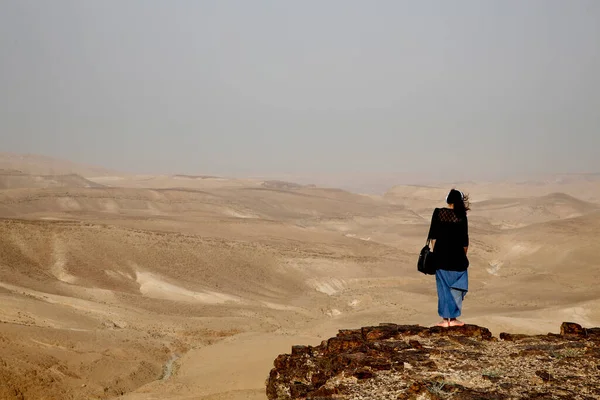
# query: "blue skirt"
[[452, 287]]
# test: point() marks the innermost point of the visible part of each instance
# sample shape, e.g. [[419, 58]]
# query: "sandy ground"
[[179, 287]]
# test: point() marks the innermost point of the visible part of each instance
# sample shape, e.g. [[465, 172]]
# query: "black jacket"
[[451, 234]]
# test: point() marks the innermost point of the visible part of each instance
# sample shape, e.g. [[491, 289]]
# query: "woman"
[[449, 235]]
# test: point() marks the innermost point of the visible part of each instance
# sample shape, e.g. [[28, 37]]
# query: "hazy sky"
[[439, 89]]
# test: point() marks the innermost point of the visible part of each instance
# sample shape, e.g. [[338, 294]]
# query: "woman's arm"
[[433, 227]]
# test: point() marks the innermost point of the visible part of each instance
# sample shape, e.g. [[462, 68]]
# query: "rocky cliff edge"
[[392, 361]]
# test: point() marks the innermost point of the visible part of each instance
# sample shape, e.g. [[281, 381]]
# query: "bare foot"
[[455, 322], [443, 323]]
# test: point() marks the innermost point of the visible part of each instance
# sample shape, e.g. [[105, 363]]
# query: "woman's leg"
[[442, 292], [458, 297]]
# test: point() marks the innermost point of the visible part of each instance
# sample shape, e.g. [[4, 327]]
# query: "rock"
[[570, 328], [465, 330], [281, 361], [411, 361], [512, 338], [573, 329], [114, 324], [299, 350], [411, 330], [544, 375], [379, 332], [344, 343], [364, 373]]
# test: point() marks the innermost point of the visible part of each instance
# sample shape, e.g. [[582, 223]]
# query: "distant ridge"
[[44, 165], [275, 184], [184, 176], [13, 179]]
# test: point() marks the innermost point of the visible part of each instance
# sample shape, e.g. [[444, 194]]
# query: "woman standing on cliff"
[[449, 235]]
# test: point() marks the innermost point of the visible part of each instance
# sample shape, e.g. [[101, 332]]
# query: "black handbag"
[[426, 263]]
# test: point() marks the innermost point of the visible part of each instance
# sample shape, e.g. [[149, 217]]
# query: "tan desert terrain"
[[188, 287]]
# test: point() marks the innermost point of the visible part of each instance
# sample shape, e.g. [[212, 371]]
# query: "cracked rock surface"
[[413, 362]]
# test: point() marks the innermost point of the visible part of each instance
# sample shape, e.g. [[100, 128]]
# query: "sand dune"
[[181, 287]]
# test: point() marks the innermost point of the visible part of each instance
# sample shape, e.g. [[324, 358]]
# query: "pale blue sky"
[[451, 90]]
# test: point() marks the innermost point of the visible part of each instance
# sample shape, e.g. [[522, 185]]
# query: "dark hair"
[[460, 201]]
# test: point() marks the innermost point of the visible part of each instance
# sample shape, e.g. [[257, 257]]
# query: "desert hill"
[[581, 186], [518, 212], [12, 179], [36, 164], [106, 287]]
